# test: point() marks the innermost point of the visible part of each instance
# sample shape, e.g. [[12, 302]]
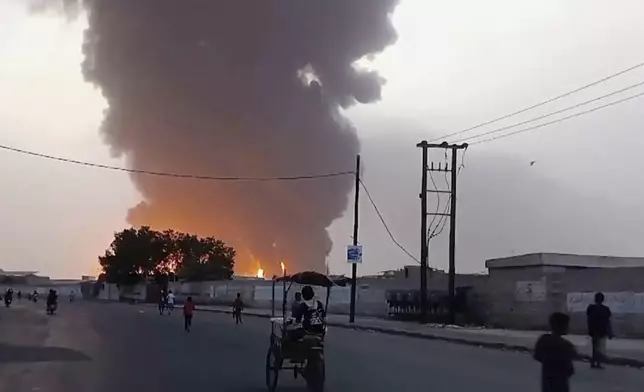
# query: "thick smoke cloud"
[[238, 87]]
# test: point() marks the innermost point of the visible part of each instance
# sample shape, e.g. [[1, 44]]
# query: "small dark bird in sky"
[[532, 163]]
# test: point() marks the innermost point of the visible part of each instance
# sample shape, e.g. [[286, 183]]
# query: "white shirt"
[[171, 299]]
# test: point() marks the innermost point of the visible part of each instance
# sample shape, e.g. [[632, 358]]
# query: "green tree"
[[137, 255], [204, 258]]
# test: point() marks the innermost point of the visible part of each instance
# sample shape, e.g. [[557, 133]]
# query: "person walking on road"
[[188, 311], [238, 306], [162, 301], [599, 329], [170, 302], [556, 355]]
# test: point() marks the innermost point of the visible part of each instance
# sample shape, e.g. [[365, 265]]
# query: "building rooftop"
[[17, 273], [565, 260]]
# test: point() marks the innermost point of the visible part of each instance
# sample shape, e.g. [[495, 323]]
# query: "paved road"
[[127, 348]]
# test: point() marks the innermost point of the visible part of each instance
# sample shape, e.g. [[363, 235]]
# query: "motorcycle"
[[51, 308], [7, 302]]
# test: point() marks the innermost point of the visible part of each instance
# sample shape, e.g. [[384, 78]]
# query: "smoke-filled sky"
[[226, 91]]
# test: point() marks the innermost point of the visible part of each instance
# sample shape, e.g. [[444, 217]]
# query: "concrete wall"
[[258, 294], [613, 280], [523, 298]]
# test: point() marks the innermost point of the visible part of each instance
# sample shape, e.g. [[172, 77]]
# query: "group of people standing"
[[556, 354]]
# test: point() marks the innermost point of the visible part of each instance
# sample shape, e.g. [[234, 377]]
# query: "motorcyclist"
[[8, 297], [52, 299]]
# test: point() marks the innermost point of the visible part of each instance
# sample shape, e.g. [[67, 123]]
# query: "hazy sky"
[[456, 64]]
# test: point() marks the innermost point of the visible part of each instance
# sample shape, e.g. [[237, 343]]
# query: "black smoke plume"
[[238, 87]]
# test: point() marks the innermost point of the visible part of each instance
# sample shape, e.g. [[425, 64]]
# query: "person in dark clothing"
[[162, 301], [8, 297], [556, 355], [311, 313], [52, 301], [295, 305], [238, 306], [599, 329]]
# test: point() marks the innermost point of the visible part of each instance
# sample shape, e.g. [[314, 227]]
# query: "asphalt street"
[[97, 347]]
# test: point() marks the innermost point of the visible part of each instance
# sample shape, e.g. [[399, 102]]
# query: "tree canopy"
[[139, 254]]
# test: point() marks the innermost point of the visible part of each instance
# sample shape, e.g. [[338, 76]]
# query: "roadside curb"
[[618, 361]]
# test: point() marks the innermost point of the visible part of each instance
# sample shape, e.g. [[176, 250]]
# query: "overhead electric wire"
[[174, 175], [441, 222], [551, 113], [550, 100], [559, 120], [384, 223], [434, 233], [438, 202]]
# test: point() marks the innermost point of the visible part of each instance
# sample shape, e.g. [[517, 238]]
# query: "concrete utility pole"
[[354, 266], [424, 250]]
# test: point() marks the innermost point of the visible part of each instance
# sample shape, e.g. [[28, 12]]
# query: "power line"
[[560, 119], [443, 220], [552, 113], [438, 203], [541, 103], [375, 207], [174, 175]]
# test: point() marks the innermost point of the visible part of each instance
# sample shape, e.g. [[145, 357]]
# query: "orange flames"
[[260, 273]]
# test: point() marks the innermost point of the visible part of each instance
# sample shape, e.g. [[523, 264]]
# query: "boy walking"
[[556, 355], [599, 329], [238, 306], [188, 311]]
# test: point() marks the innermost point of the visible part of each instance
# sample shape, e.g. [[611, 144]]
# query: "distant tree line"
[[137, 255]]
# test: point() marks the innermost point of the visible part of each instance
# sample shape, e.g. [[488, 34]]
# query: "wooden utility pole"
[[354, 266], [424, 253], [424, 248]]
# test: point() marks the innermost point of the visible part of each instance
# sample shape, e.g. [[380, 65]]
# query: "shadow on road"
[[16, 353], [291, 388]]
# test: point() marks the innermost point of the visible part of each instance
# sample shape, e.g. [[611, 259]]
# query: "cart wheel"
[[273, 366]]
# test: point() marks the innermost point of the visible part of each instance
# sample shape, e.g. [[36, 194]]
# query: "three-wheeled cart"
[[303, 355]]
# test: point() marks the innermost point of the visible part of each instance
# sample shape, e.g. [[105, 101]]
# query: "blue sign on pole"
[[354, 254]]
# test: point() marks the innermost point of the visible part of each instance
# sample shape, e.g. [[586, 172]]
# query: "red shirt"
[[188, 308]]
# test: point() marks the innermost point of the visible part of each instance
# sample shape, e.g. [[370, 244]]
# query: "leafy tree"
[[137, 255], [204, 258]]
